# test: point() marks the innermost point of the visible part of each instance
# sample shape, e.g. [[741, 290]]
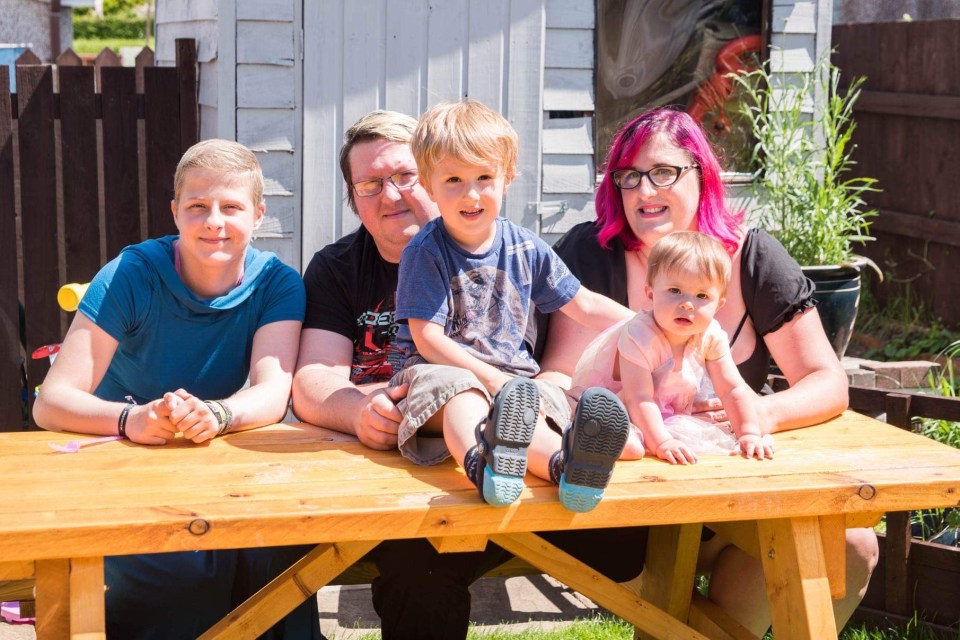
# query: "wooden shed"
[[286, 77]]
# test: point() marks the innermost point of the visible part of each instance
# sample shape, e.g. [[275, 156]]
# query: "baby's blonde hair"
[[690, 251], [222, 156], [467, 131]]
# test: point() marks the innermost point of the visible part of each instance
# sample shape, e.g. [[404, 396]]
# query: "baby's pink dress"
[[643, 343]]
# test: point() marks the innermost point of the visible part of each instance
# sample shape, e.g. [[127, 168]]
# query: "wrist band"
[[122, 420], [223, 415]]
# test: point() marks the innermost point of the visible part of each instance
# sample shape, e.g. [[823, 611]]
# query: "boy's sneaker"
[[591, 446], [503, 438]]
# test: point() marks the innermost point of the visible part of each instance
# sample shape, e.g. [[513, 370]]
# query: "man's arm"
[[324, 395]]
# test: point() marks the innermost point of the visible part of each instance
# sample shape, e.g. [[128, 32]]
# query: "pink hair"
[[713, 218]]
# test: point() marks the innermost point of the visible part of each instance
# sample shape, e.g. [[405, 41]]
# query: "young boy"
[[687, 277], [466, 285]]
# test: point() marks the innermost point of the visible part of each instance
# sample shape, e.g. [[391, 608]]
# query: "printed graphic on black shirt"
[[375, 357]]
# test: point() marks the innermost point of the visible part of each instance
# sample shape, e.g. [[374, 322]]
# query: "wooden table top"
[[292, 484]]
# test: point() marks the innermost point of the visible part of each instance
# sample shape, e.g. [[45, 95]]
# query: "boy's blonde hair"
[[690, 251], [376, 125], [222, 156], [467, 131]]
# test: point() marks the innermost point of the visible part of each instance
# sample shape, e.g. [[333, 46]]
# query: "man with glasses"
[[347, 358]]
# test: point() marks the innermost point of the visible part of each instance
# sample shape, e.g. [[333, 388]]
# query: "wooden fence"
[[87, 157], [913, 576], [908, 136]]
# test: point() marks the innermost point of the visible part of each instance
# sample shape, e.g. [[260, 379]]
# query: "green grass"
[[93, 47], [612, 628]]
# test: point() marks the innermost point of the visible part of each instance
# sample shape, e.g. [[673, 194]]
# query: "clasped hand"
[[159, 421]]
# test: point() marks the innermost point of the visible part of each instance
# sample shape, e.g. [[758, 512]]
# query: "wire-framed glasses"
[[660, 176], [372, 187]]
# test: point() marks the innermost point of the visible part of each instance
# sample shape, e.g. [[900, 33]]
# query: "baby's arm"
[[638, 397], [434, 345], [595, 311], [740, 403]]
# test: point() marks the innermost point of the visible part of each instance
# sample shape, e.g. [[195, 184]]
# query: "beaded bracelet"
[[122, 420]]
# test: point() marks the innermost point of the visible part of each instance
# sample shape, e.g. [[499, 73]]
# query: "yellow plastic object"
[[70, 294]]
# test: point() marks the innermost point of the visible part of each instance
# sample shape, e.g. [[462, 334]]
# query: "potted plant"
[[806, 198]]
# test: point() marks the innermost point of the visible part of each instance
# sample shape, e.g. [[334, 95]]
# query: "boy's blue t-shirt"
[[168, 337], [482, 300]]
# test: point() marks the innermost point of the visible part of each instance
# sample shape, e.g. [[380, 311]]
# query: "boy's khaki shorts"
[[433, 385]]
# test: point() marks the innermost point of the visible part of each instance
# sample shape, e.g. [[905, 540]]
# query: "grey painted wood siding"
[[378, 54]]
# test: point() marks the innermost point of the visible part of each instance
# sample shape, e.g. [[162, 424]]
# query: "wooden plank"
[[39, 216], [289, 589], [670, 569], [405, 87], [568, 135], [265, 43], [266, 129], [580, 577], [834, 541], [486, 64], [225, 38], [453, 544], [568, 90], [913, 105], [714, 622], [161, 117], [361, 81], [800, 17], [265, 10], [801, 609], [562, 211], [53, 599], [11, 407], [187, 90], [265, 86], [569, 49], [447, 44], [78, 144], [568, 174], [525, 108], [87, 620], [121, 160], [570, 14], [20, 570]]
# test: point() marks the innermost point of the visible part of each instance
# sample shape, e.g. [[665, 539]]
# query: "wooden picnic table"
[[294, 484]]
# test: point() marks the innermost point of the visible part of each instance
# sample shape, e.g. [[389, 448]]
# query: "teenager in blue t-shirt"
[[166, 337]]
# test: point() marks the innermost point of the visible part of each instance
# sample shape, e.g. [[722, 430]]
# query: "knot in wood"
[[198, 527], [867, 491]]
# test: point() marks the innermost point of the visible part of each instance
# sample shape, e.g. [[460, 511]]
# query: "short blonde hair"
[[222, 156], [467, 131], [690, 251], [376, 125]]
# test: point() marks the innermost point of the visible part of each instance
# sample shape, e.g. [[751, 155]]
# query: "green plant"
[[801, 163]]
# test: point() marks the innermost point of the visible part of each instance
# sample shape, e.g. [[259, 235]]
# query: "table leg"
[[796, 577], [605, 592], [53, 599], [301, 581], [669, 570], [87, 617]]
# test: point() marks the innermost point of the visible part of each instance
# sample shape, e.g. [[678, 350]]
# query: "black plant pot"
[[838, 296]]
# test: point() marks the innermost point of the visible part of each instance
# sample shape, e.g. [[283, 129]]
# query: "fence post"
[[11, 404], [897, 546], [187, 84]]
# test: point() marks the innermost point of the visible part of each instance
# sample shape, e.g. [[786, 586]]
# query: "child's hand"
[[753, 445], [675, 452]]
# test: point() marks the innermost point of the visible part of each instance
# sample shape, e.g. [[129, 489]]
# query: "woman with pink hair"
[[662, 175]]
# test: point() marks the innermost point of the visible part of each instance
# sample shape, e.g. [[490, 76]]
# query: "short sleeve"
[[774, 288], [421, 286], [111, 301], [555, 285], [285, 299], [329, 301], [638, 343]]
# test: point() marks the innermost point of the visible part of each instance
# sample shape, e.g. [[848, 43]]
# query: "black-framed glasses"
[[660, 176], [401, 180]]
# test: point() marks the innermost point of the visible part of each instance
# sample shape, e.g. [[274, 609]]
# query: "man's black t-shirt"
[[351, 290]]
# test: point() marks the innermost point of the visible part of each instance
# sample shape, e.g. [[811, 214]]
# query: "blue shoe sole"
[[592, 446], [506, 436]]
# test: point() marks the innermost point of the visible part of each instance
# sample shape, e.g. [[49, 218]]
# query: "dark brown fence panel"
[[32, 147], [121, 189], [11, 408], [78, 147], [162, 124], [908, 137], [38, 216]]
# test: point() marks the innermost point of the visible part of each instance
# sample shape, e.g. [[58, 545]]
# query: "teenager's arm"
[[595, 311], [437, 348]]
